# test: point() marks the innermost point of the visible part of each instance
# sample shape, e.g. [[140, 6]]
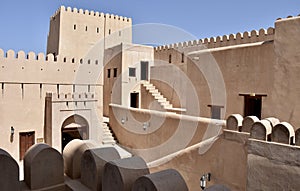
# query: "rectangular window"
[[144, 70], [108, 73], [26, 141], [215, 111], [132, 72], [115, 72]]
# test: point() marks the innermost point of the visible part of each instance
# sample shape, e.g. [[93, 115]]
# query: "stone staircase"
[[108, 138], [165, 104]]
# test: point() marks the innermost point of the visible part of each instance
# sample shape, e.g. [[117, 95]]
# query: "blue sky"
[[25, 24]]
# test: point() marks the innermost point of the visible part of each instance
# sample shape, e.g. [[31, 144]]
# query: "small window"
[[170, 58], [86, 28], [109, 31], [108, 73], [215, 111], [120, 33], [89, 61], [115, 72], [96, 62], [182, 57], [132, 72], [74, 27], [97, 29]]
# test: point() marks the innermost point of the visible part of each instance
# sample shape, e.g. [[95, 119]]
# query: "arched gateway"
[[74, 127]]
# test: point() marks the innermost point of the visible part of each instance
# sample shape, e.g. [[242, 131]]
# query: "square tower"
[[74, 32]]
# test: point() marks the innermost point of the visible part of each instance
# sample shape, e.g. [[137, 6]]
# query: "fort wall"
[[257, 66], [225, 40], [25, 80]]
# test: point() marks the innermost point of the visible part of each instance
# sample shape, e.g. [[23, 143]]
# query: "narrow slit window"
[[170, 58], [109, 31], [182, 57], [97, 29], [86, 28], [108, 73], [115, 72], [74, 27]]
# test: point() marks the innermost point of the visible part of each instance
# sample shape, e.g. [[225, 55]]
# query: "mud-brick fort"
[[97, 112]]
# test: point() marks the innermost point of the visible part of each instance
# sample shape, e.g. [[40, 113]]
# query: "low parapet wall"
[[99, 169], [153, 134], [272, 156]]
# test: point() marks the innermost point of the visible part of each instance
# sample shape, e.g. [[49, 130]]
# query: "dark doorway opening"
[[144, 70], [134, 100], [74, 127], [252, 106]]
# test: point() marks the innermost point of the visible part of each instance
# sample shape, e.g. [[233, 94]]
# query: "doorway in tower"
[[74, 127], [144, 70], [253, 105], [134, 100]]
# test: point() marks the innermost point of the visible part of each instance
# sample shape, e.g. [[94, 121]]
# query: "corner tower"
[[73, 32]]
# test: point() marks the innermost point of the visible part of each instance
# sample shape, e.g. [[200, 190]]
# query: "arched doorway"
[[74, 127]]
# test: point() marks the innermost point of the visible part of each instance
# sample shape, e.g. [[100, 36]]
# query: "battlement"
[[41, 57], [71, 96], [225, 40], [288, 18], [268, 130], [91, 13]]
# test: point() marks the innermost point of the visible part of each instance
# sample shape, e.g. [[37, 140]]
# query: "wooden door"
[[26, 141]]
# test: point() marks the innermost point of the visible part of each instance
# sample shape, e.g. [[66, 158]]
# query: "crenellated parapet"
[[225, 40], [288, 18], [269, 129], [32, 68], [91, 13], [41, 57]]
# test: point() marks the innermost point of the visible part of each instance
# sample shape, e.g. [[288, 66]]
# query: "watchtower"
[[73, 32]]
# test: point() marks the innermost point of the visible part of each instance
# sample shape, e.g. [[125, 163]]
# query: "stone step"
[[109, 142], [107, 138], [157, 95], [107, 134], [162, 100], [150, 88], [154, 91]]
